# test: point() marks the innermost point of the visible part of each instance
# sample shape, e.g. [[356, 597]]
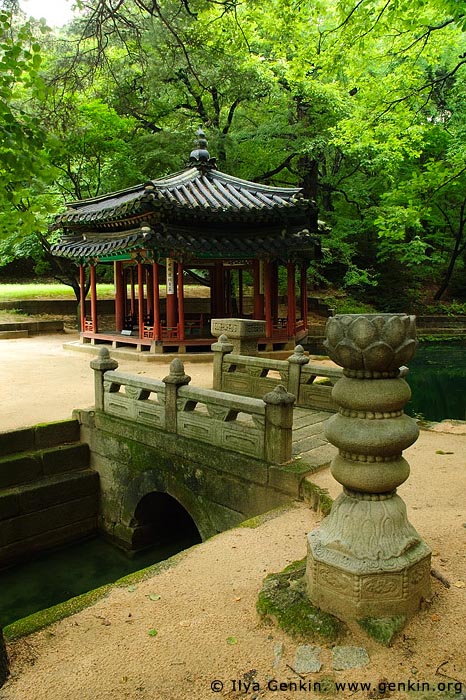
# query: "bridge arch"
[[152, 497], [160, 518]]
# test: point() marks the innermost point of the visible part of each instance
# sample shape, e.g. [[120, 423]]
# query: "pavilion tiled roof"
[[198, 212], [195, 194]]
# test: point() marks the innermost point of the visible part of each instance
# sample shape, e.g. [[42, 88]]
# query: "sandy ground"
[[205, 619], [42, 381]]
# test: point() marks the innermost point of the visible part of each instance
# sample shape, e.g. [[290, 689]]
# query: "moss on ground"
[[383, 629], [259, 520], [283, 600]]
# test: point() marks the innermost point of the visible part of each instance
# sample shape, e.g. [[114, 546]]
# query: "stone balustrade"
[[261, 428], [254, 376]]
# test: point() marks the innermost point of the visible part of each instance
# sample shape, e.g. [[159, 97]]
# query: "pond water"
[[60, 575], [437, 377]]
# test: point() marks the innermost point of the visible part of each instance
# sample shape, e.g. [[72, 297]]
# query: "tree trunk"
[[4, 665], [457, 249]]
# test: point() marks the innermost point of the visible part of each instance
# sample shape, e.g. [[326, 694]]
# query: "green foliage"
[[349, 305], [24, 166], [361, 104], [453, 308]]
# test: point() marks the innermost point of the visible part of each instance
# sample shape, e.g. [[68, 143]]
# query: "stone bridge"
[[167, 452]]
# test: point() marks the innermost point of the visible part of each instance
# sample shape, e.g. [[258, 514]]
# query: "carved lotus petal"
[[379, 321], [334, 331], [405, 352], [379, 357], [347, 355], [362, 332], [395, 330]]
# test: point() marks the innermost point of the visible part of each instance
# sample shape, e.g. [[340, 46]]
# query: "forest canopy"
[[361, 103]]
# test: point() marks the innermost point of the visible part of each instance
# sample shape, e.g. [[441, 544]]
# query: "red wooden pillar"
[[133, 294], [150, 291], [258, 277], [274, 275], [291, 299], [140, 299], [268, 299], [119, 295], [171, 293], [155, 275], [125, 292], [303, 292], [93, 298], [181, 300], [82, 296]]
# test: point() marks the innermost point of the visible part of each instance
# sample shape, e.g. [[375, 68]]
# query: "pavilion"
[[198, 225]]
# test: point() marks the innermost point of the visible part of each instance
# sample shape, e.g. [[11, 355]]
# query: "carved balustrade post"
[[173, 381], [103, 363], [278, 425], [221, 348], [366, 559], [243, 333], [296, 362]]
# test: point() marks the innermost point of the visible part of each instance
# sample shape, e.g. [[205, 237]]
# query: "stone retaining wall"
[[48, 495]]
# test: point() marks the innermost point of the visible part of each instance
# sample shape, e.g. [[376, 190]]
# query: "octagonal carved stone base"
[[377, 567]]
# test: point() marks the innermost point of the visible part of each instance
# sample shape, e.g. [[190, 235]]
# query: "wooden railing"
[[310, 383], [257, 427]]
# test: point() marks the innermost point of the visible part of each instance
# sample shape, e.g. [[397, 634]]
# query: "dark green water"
[[63, 574], [437, 377]]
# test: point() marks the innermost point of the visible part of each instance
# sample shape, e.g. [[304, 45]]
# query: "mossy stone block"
[[19, 469], [14, 441], [65, 458], [57, 433]]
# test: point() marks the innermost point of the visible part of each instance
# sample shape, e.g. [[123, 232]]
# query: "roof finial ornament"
[[200, 157]]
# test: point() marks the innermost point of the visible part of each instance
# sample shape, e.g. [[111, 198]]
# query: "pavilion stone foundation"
[[366, 559], [242, 333]]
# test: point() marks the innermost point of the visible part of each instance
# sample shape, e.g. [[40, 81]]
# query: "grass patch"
[[283, 600], [13, 292], [42, 290]]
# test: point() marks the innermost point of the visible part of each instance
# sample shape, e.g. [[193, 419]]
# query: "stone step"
[[48, 491], [24, 467], [29, 525], [6, 335], [38, 437]]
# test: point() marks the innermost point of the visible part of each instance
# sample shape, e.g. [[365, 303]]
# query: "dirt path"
[[208, 599], [41, 381]]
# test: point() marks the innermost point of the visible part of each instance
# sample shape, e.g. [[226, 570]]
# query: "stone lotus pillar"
[[366, 559]]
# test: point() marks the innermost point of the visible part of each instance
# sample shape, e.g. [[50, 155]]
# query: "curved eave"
[[180, 242]]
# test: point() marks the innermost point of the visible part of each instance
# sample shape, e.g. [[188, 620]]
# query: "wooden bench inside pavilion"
[[247, 246]]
